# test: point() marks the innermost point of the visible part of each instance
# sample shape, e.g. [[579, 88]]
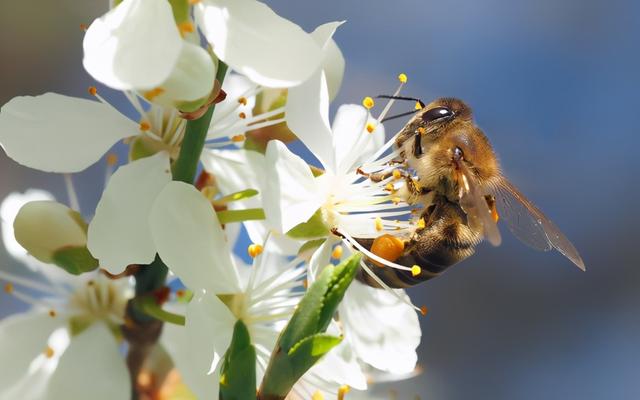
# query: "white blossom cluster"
[[163, 56]]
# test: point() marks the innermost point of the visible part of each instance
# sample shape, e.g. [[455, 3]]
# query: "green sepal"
[[310, 246], [142, 147], [249, 214], [238, 371], [313, 228], [180, 10], [304, 354], [150, 306], [241, 195], [74, 260]]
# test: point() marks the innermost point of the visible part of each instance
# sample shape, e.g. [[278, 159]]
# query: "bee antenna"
[[386, 96], [399, 115]]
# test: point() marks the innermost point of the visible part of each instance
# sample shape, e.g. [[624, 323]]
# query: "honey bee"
[[452, 171]]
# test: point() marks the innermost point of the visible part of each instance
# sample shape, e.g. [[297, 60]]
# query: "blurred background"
[[553, 84]]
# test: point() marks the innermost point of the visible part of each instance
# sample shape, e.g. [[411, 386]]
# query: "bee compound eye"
[[436, 113], [458, 154]]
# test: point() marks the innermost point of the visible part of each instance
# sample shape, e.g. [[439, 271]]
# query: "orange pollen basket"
[[388, 247]]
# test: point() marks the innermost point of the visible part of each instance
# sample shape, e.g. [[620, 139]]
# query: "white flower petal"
[[8, 211], [119, 233], [209, 330], [57, 133], [91, 368], [321, 258], [191, 79], [292, 194], [255, 41], [307, 115], [23, 337], [190, 240], [382, 330], [351, 141], [227, 112], [332, 59], [237, 170], [133, 46]]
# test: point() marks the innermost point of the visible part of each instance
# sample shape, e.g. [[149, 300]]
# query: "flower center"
[[101, 299]]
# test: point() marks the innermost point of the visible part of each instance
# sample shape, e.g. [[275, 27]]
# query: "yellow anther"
[[92, 90], [344, 389], [396, 174], [370, 127], [421, 223], [389, 187], [223, 380], [378, 224], [305, 283], [402, 78], [242, 115], [418, 105], [416, 270], [112, 159], [144, 126], [242, 100], [396, 200], [8, 287], [48, 352], [254, 250], [153, 93], [180, 293], [368, 103], [52, 313], [317, 395], [209, 192], [421, 130], [90, 282], [423, 310], [185, 27], [337, 253], [238, 138]]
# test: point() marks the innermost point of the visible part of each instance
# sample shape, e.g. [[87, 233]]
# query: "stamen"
[[153, 93], [112, 159], [317, 395], [418, 106], [145, 126], [185, 28], [423, 310], [421, 223], [344, 389], [238, 138], [242, 115], [254, 250], [337, 252], [416, 270], [402, 78], [370, 127], [71, 192], [194, 2], [8, 287], [378, 224], [389, 187], [368, 103], [92, 90], [48, 352], [396, 174], [386, 287], [84, 27], [395, 94], [52, 313]]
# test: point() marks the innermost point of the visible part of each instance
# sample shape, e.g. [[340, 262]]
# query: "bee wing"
[[530, 225], [475, 206]]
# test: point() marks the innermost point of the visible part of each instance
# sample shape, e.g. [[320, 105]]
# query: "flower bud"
[[55, 234]]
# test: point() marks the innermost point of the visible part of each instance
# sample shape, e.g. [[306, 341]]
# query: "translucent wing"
[[475, 206], [530, 225]]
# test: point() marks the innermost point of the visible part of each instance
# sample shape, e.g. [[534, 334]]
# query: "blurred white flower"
[[63, 346]]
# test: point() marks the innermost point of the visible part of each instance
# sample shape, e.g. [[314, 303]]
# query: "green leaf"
[[341, 279], [249, 214], [180, 10], [74, 260], [313, 228], [238, 372], [305, 320]]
